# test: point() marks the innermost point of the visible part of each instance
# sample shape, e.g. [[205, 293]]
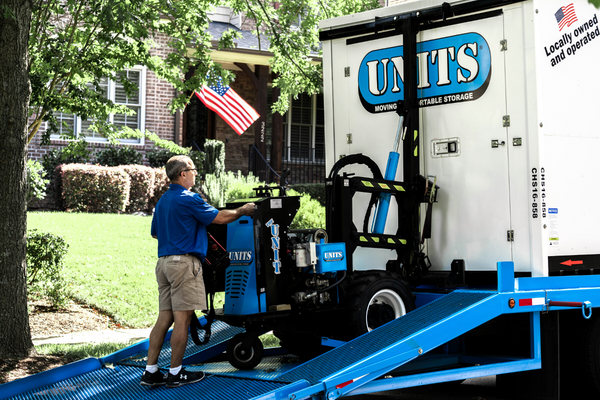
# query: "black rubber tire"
[[240, 360], [372, 299], [303, 345]]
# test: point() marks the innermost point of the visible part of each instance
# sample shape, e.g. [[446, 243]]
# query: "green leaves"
[[74, 44], [293, 32], [45, 260]]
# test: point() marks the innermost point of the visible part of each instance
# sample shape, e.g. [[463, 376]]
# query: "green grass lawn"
[[110, 263]]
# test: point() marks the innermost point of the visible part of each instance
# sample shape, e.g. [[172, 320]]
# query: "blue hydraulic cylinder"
[[384, 198]]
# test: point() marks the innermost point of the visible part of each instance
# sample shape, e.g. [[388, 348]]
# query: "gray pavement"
[[108, 335]]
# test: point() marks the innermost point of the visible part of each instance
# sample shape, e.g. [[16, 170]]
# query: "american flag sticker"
[[565, 16], [536, 301]]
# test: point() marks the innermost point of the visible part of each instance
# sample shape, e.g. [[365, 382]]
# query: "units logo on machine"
[[451, 69], [241, 256], [275, 244], [333, 256]]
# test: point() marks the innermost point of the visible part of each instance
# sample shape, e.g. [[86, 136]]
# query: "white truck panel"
[[529, 64]]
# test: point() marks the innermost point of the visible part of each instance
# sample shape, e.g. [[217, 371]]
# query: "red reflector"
[[343, 385], [525, 302]]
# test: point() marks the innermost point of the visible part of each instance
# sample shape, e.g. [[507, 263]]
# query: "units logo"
[[275, 245], [241, 256], [333, 256], [451, 69]]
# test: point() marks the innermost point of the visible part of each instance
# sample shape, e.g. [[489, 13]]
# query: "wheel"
[[244, 359], [373, 299]]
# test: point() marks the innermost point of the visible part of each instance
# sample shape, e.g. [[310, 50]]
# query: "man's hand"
[[247, 209]]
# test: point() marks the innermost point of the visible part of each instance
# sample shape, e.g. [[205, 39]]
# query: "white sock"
[[175, 371], [152, 368]]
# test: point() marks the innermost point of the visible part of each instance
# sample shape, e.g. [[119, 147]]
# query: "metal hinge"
[[506, 121], [510, 236], [348, 138], [503, 45], [346, 71]]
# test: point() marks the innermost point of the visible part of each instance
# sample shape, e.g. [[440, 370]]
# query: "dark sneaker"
[[183, 378], [156, 379]]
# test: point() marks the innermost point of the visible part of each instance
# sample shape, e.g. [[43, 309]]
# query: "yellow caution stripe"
[[381, 239]]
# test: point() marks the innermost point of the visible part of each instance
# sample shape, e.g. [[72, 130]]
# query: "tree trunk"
[[15, 90]]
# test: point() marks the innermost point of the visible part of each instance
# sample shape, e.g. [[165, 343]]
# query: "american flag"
[[228, 105], [565, 16]]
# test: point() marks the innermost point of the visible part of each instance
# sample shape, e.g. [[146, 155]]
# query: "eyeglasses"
[[191, 169]]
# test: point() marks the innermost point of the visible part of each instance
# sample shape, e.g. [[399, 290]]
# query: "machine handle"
[[585, 305]]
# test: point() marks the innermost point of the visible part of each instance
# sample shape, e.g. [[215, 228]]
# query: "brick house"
[[301, 128]]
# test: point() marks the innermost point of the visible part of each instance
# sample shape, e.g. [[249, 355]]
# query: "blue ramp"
[[423, 328], [374, 354]]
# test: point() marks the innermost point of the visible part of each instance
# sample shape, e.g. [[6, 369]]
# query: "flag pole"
[[190, 98]]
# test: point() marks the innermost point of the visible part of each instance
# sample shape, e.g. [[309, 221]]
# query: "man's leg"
[[179, 336], [152, 375], [157, 335]]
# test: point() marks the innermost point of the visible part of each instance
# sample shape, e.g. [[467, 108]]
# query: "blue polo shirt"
[[179, 222]]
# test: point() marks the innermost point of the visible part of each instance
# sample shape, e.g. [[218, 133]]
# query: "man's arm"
[[227, 216]]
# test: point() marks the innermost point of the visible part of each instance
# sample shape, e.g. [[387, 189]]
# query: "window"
[[115, 91], [304, 129]]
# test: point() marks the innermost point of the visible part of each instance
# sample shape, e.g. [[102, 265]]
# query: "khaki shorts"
[[180, 283]]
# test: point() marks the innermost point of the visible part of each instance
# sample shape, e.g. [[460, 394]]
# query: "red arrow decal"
[[570, 263]]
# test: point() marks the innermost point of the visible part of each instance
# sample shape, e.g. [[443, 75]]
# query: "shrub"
[[310, 215], [141, 189], [74, 152], [229, 186], [161, 185], [315, 190], [214, 162], [122, 155], [91, 188], [45, 254], [158, 158], [36, 184]]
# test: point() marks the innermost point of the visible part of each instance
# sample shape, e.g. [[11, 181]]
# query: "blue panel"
[[506, 276], [240, 290], [331, 257], [241, 295]]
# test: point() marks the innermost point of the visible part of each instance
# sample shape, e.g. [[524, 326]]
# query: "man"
[[179, 223]]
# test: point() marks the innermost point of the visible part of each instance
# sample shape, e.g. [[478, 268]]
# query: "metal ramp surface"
[[117, 376], [396, 332], [348, 366], [124, 383]]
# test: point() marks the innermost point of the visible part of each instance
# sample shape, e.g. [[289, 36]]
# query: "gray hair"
[[176, 165]]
